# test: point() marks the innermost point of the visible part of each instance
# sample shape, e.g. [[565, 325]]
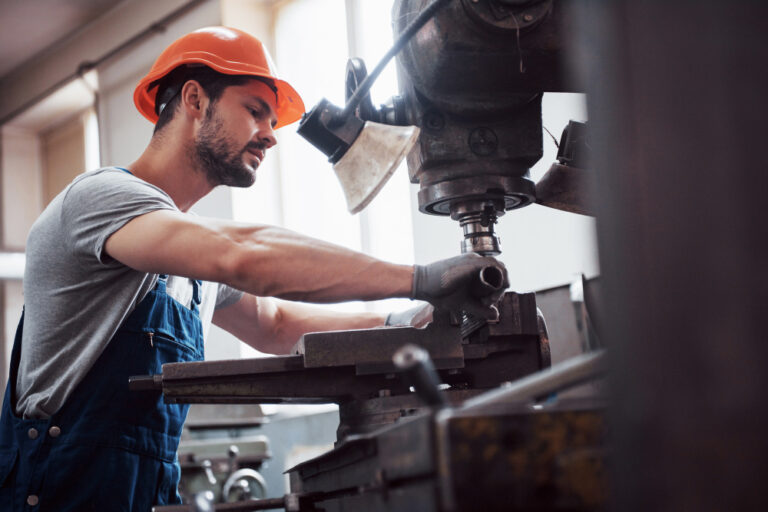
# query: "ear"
[[194, 100]]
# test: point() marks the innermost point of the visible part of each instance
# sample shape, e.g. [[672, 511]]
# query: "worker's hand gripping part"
[[470, 283]]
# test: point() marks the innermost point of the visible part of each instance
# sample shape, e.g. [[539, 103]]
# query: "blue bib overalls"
[[107, 448]]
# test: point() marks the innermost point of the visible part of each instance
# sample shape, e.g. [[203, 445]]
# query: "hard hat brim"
[[290, 106]]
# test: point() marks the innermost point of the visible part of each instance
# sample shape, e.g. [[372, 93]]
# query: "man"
[[100, 305]]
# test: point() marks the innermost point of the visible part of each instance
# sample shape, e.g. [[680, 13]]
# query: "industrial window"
[[313, 39]]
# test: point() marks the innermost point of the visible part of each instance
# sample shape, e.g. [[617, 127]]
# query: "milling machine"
[[471, 74]]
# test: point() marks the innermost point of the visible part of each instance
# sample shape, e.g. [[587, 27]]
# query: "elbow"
[[280, 337], [238, 266]]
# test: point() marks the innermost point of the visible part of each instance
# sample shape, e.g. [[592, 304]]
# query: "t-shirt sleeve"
[[98, 204], [226, 296]]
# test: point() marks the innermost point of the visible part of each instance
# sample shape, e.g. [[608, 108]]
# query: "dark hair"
[[213, 83]]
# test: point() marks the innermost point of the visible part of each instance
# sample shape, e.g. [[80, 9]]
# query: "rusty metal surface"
[[507, 457], [543, 460]]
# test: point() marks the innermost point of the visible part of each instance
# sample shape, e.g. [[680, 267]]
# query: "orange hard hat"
[[226, 50]]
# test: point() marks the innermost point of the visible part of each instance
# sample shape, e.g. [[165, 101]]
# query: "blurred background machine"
[[218, 453], [428, 434]]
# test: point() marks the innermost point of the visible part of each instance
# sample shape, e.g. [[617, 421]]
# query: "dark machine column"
[[678, 112], [472, 81]]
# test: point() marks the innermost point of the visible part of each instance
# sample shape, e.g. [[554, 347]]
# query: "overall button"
[[32, 433], [54, 431], [32, 500]]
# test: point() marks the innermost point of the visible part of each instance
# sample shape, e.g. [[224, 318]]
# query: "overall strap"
[[197, 287], [162, 283], [196, 294], [15, 360]]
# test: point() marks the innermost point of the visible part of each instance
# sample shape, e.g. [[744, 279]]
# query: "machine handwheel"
[[244, 484]]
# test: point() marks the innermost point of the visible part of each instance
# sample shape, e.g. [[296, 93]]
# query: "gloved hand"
[[414, 317], [455, 284]]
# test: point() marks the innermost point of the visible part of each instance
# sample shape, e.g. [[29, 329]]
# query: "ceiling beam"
[[45, 73]]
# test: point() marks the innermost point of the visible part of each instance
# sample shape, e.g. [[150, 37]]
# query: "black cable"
[[406, 35]]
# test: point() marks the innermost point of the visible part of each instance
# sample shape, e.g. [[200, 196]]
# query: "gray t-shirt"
[[76, 296]]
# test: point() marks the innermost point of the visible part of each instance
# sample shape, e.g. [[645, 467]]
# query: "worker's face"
[[235, 134]]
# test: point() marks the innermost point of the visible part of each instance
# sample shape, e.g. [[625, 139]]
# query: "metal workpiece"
[[489, 282]]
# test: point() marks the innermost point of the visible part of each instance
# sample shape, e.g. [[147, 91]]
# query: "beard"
[[217, 156]]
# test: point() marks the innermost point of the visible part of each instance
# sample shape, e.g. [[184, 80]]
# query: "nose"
[[266, 134]]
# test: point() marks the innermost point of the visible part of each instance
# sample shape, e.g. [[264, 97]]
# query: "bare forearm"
[[262, 260], [274, 326], [294, 320], [274, 262]]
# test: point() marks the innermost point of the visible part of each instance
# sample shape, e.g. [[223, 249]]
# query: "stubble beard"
[[217, 157]]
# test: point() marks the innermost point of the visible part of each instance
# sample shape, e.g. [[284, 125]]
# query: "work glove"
[[469, 283]]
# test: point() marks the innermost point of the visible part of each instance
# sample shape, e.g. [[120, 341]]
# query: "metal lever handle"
[[145, 382], [208, 467], [420, 373]]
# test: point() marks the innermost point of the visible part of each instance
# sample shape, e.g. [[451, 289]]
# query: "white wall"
[[541, 247], [259, 203], [22, 185]]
